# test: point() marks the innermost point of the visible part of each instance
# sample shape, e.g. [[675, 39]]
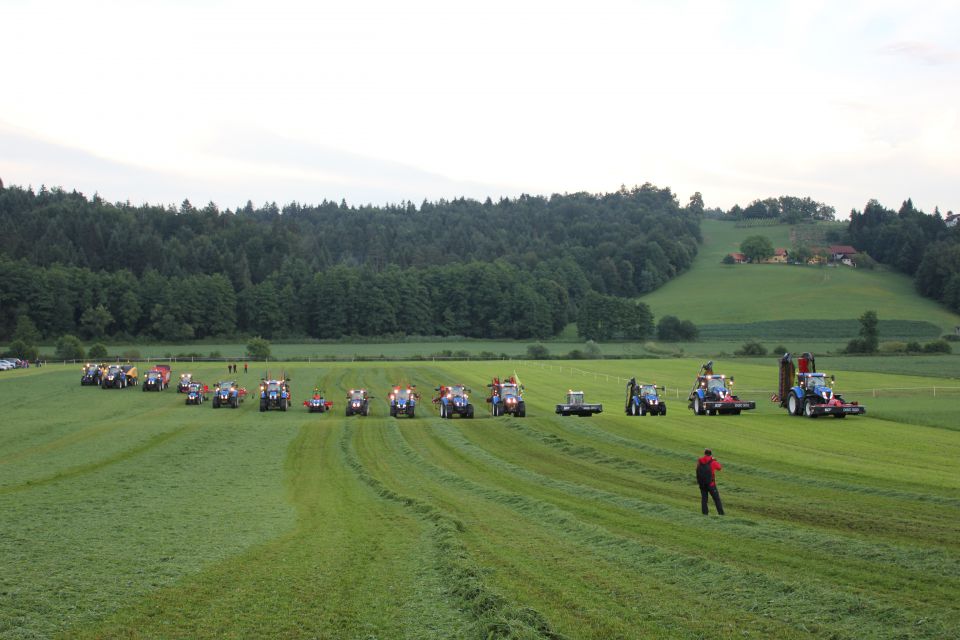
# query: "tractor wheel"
[[263, 405], [698, 407], [349, 412], [808, 409], [393, 412], [366, 408], [411, 411], [283, 405], [643, 409], [234, 402], [663, 409], [144, 387], [794, 407], [522, 410], [470, 411], [839, 415]]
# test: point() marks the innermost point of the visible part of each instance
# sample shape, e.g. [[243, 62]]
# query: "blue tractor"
[[507, 397], [274, 394], [227, 393], [454, 401], [403, 401], [196, 392], [803, 391], [358, 403], [92, 374], [712, 394], [644, 399]]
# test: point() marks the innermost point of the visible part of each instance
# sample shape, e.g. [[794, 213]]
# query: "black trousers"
[[716, 499]]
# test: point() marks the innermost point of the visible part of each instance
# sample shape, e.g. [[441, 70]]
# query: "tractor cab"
[[575, 398]]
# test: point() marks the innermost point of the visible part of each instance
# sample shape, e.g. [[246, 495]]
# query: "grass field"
[[129, 514]]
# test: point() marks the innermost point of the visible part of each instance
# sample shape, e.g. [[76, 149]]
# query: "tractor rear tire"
[[698, 409], [794, 407]]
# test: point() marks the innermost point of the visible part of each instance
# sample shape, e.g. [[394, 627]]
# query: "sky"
[[380, 102]]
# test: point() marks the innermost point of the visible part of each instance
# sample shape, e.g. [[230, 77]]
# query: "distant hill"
[[753, 300]]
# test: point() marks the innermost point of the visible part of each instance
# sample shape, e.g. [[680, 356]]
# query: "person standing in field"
[[244, 367], [707, 468]]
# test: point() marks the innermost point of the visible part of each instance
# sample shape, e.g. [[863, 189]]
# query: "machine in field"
[[644, 399], [576, 406], [274, 394], [317, 403], [157, 379], [403, 401], [712, 394], [196, 393], [184, 384], [507, 397], [804, 391], [453, 401], [227, 393], [92, 374], [119, 377], [358, 402]]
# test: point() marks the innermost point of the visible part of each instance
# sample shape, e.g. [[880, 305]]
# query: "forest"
[[515, 268], [914, 243]]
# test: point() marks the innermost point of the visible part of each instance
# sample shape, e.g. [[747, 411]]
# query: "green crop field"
[[129, 514], [747, 301]]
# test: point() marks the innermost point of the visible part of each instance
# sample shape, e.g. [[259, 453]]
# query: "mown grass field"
[[128, 514]]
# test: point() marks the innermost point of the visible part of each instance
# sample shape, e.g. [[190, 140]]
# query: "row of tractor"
[[802, 390]]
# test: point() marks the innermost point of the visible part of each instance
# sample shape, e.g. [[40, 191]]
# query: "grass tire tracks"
[[495, 616], [596, 433], [746, 588], [921, 561]]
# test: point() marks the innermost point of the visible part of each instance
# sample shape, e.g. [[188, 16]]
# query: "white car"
[[6, 364]]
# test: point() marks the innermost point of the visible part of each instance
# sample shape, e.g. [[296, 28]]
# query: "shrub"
[[914, 347], [950, 337], [672, 329], [69, 347], [20, 349], [937, 346], [258, 348], [592, 349], [751, 348], [728, 259], [537, 352], [98, 351], [779, 350], [576, 354], [893, 347]]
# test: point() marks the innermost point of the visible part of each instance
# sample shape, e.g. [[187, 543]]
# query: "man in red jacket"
[[707, 468]]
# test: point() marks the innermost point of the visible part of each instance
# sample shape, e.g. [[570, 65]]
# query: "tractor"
[[92, 374], [403, 401], [317, 403], [196, 393], [274, 394], [644, 399], [157, 379], [712, 394], [358, 402], [575, 406], [227, 393], [804, 391], [184, 383], [453, 401], [507, 397], [119, 377]]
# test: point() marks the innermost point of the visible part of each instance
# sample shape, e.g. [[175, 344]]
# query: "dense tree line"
[[514, 268], [913, 242], [786, 209]]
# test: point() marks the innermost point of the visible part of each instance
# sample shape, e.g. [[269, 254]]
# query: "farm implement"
[[507, 397], [317, 403], [157, 379], [403, 401], [453, 401], [358, 403], [575, 406], [804, 391], [712, 394]]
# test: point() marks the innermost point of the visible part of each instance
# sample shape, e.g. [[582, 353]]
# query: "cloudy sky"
[[378, 101]]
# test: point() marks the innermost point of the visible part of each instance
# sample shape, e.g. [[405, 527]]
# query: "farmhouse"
[[842, 253], [952, 219], [739, 258], [779, 256]]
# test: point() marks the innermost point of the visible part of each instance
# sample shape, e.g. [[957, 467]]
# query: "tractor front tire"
[[263, 405], [808, 409], [522, 410]]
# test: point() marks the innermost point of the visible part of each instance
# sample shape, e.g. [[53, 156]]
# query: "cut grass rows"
[[748, 590]]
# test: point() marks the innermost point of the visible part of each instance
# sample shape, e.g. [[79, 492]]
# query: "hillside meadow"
[[130, 514]]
